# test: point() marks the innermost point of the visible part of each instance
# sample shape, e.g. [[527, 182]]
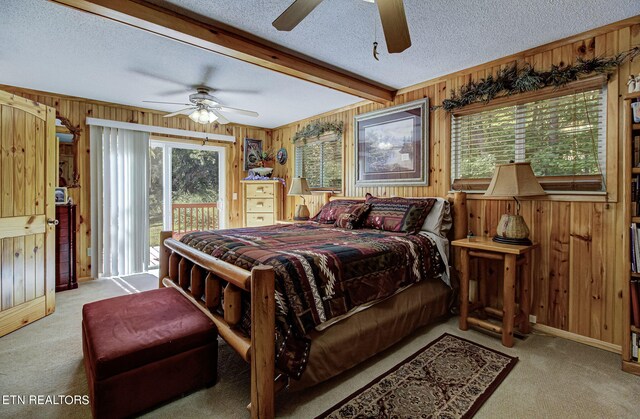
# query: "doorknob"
[[51, 221]]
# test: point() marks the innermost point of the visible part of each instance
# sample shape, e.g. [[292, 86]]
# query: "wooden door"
[[28, 170]]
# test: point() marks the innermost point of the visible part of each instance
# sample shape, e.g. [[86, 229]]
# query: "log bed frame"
[[202, 279]]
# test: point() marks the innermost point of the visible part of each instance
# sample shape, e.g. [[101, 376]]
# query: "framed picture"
[[281, 156], [392, 145], [252, 153], [61, 196]]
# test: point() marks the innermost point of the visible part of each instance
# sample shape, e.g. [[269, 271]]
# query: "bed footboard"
[[203, 280]]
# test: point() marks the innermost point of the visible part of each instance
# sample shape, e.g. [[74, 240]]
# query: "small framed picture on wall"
[[252, 153], [392, 146], [61, 196]]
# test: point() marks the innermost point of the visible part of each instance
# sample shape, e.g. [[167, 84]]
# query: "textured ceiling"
[[447, 35], [54, 48]]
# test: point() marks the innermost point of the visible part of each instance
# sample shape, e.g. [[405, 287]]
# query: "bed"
[[364, 286]]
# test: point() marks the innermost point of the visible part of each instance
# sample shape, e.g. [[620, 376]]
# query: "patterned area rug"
[[450, 378]]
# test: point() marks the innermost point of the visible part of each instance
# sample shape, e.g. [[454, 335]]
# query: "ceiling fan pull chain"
[[375, 38]]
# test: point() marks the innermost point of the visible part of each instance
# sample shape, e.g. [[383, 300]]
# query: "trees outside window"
[[563, 137], [320, 162]]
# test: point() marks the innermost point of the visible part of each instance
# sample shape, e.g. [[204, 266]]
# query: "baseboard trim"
[[577, 338], [631, 367]]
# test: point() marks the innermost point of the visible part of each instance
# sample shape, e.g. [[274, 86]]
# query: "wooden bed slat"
[[197, 282], [212, 291], [230, 273], [232, 304], [184, 273], [174, 261], [234, 338]]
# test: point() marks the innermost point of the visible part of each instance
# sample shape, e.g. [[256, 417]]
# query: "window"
[[562, 136], [320, 161]]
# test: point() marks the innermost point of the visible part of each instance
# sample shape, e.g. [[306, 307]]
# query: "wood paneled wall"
[[577, 270], [78, 109]]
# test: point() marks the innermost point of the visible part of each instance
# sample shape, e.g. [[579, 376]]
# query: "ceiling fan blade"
[[206, 75], [215, 101], [175, 92], [221, 119], [394, 24], [238, 91], [168, 103], [239, 111], [180, 112], [295, 14], [160, 77]]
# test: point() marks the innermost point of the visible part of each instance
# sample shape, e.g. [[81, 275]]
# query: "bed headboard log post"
[[164, 257], [263, 353], [326, 197], [460, 216], [460, 228]]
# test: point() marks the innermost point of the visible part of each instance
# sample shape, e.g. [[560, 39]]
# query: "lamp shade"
[[299, 187], [514, 180]]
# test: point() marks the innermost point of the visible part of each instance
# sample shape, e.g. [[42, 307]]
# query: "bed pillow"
[[439, 219], [353, 216], [398, 214], [330, 212]]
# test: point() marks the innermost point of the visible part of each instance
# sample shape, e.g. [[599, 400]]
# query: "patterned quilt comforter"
[[321, 272]]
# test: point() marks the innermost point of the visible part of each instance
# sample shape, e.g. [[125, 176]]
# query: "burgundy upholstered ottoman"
[[141, 350]]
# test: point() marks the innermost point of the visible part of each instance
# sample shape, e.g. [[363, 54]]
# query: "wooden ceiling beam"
[[234, 44]]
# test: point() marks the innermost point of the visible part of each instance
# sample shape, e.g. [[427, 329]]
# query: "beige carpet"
[[554, 378]]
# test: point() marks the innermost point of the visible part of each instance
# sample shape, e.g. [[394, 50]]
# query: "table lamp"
[[300, 187], [513, 180]]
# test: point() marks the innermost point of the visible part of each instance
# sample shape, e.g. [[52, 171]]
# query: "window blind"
[[320, 161], [564, 138]]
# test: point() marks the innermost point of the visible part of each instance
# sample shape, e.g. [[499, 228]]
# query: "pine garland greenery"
[[514, 80], [317, 128]]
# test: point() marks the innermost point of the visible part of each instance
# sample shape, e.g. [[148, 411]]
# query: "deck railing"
[[193, 217]]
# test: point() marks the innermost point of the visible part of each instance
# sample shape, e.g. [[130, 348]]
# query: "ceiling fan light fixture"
[[203, 116]]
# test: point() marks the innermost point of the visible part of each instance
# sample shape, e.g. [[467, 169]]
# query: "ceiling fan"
[[205, 108], [392, 15]]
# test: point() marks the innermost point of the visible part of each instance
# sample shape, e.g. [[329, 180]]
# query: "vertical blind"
[[320, 161], [119, 201], [563, 137]]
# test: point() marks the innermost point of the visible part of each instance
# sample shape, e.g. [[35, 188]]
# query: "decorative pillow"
[[330, 212], [398, 214], [353, 216]]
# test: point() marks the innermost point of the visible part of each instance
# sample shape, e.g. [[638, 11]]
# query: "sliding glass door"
[[186, 190]]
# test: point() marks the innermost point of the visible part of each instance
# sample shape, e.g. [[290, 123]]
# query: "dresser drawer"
[[259, 204], [259, 191], [257, 220]]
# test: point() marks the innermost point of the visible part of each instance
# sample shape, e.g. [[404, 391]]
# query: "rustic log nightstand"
[[512, 257]]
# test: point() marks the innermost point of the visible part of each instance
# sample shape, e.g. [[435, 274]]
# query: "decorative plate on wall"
[[281, 156]]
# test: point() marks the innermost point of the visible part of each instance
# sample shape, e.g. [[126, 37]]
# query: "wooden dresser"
[[66, 278], [262, 202]]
